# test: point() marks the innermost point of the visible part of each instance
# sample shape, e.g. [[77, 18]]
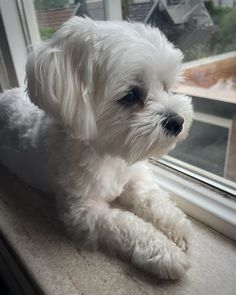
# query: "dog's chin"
[[155, 151], [134, 143], [138, 150]]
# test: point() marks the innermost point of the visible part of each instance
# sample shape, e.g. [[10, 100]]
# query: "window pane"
[[206, 32], [52, 13]]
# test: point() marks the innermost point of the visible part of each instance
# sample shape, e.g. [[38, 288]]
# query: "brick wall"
[[53, 17]]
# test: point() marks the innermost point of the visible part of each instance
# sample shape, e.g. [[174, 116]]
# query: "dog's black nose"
[[173, 124]]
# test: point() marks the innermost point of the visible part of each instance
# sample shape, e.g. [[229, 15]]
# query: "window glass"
[[206, 32], [52, 13]]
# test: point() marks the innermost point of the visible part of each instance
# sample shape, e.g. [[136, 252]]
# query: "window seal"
[[213, 181], [212, 206]]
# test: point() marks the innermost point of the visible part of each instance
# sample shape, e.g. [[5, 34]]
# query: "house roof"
[[139, 11]]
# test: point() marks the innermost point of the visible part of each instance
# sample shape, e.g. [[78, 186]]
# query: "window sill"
[[52, 264], [209, 206]]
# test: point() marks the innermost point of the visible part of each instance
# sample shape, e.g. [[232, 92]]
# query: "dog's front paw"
[[181, 234], [155, 207], [166, 261], [181, 242]]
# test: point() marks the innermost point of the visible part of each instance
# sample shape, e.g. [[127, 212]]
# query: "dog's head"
[[110, 83]]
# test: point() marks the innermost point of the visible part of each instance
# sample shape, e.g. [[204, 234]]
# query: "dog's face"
[[110, 83]]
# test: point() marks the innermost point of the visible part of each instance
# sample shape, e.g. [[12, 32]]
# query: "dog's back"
[[20, 122], [15, 118]]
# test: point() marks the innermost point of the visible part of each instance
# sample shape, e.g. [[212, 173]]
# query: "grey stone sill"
[[58, 266]]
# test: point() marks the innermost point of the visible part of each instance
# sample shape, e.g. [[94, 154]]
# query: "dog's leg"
[[122, 232], [144, 197]]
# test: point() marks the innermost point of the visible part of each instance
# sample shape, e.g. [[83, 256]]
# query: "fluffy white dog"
[[105, 104]]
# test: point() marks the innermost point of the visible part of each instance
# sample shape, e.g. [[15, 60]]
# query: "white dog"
[[104, 93]]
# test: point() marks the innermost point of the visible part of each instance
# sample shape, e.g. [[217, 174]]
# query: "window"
[[203, 30], [51, 14]]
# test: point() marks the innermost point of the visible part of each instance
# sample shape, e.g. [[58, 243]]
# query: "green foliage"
[[209, 6], [198, 51], [224, 40], [217, 12], [49, 4], [46, 33]]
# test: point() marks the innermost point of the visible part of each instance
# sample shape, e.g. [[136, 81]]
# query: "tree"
[[217, 13], [225, 18], [225, 38]]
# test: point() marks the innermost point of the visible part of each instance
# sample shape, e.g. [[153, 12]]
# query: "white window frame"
[[15, 38], [16, 14], [207, 178], [194, 195], [211, 206]]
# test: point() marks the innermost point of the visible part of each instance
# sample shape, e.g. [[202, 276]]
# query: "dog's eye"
[[134, 96]]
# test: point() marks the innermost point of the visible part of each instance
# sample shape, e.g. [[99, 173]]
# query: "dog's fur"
[[88, 147]]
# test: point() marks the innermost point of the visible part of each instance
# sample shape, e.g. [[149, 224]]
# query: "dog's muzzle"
[[172, 124]]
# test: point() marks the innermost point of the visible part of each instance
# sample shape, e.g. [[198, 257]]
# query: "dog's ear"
[[60, 77]]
